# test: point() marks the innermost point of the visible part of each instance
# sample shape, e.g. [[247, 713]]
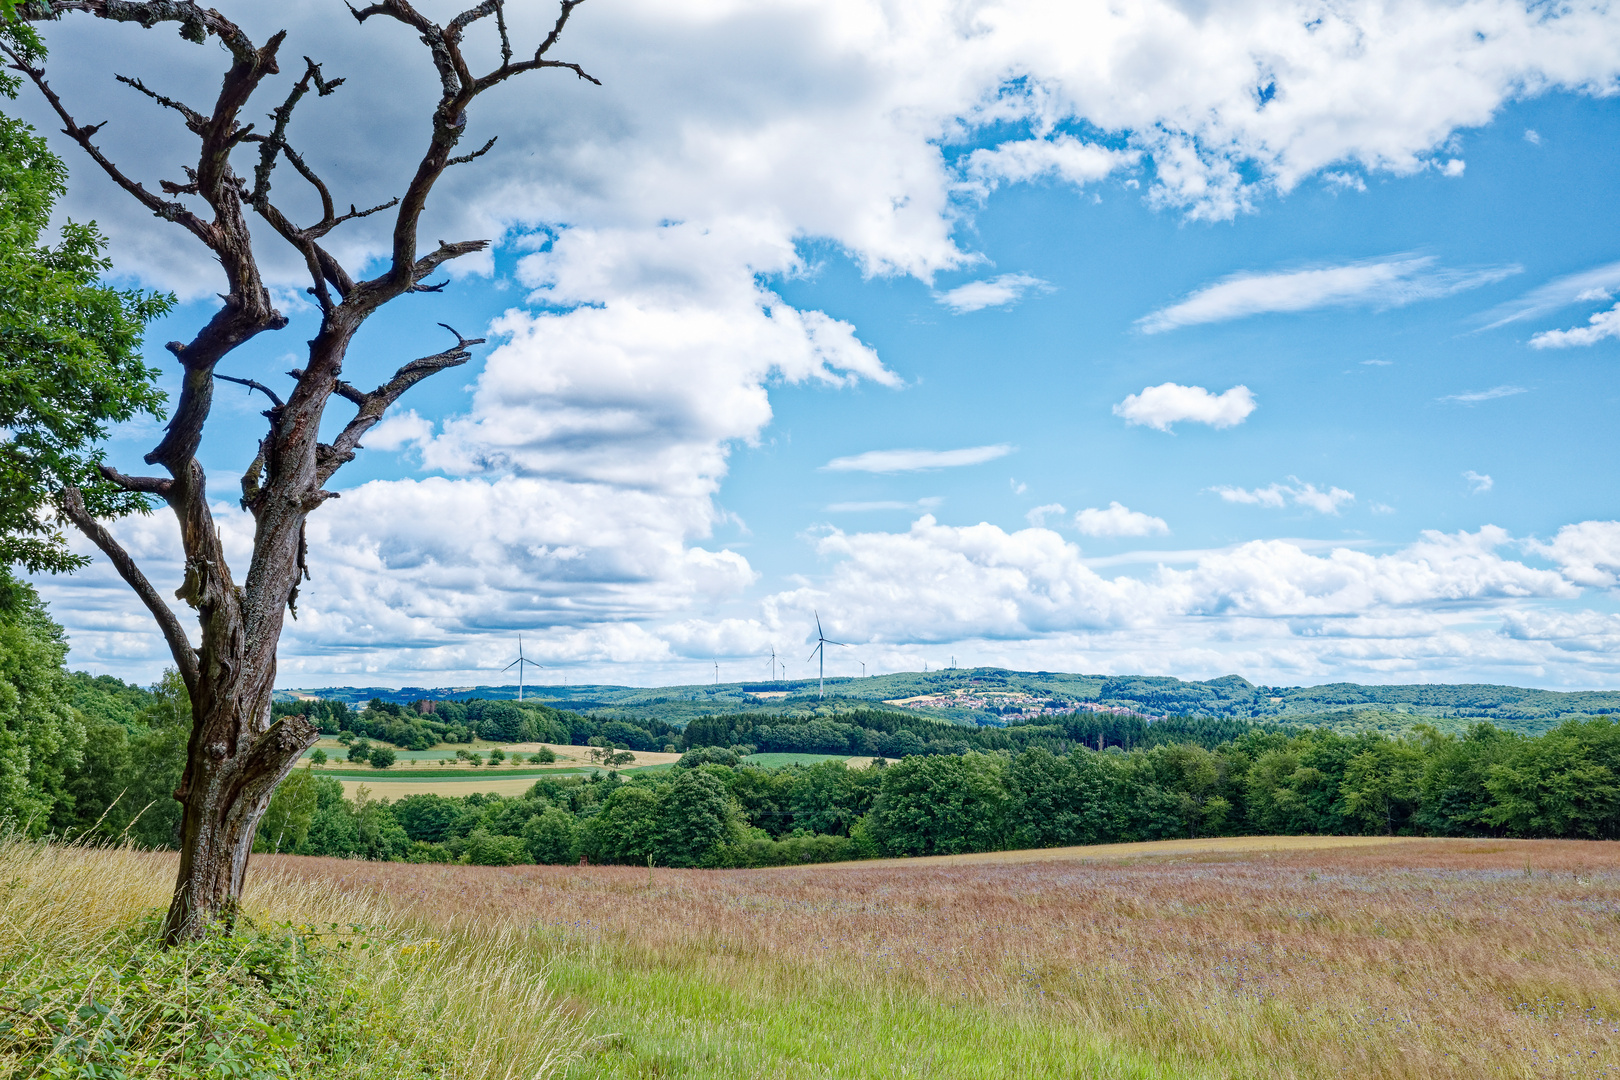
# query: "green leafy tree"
[[383, 758], [360, 752], [318, 757], [695, 817], [41, 736], [285, 825], [941, 805], [70, 350], [626, 828], [1383, 786], [552, 837], [1566, 783], [492, 849]]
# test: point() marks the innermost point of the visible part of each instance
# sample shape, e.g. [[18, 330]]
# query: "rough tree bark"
[[236, 756]]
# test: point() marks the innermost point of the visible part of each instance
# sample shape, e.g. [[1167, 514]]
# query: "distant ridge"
[[997, 695]]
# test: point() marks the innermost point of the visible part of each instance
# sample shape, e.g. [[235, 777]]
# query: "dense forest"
[[716, 811]]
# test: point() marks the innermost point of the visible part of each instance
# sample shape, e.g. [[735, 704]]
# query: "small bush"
[[543, 756], [382, 758], [360, 752], [318, 757], [487, 849], [707, 755], [496, 756]]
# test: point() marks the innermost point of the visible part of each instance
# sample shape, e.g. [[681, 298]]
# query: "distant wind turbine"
[[773, 663], [519, 664], [822, 641], [717, 673]]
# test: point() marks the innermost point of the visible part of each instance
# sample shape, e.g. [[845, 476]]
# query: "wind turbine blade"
[[832, 642], [812, 655], [818, 625], [512, 665]]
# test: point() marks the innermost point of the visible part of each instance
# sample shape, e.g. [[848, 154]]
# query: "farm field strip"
[[1310, 957]]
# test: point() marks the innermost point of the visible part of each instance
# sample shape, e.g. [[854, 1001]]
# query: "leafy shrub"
[[487, 849], [707, 755], [360, 752], [382, 758], [552, 837], [543, 756]]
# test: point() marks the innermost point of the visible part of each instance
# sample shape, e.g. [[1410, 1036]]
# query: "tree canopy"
[[70, 351]]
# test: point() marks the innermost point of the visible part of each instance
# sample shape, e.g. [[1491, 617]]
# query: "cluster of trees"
[[872, 732], [715, 811], [425, 724]]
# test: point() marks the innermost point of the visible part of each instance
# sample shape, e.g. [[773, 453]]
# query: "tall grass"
[[1449, 959], [319, 980], [1404, 961]]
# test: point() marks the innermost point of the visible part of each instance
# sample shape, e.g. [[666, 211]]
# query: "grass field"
[[1252, 957], [1255, 957]]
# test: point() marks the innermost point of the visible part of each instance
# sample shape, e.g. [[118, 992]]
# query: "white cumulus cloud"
[[1478, 483], [1159, 407], [1588, 553], [1605, 324], [1118, 521], [1295, 492]]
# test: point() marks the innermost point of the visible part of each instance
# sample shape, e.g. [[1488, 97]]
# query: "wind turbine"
[[773, 663], [518, 663], [822, 641]]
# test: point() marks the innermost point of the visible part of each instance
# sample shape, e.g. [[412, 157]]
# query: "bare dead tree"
[[236, 755]]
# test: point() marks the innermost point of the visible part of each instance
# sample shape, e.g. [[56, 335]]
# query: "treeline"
[[879, 733], [425, 724], [717, 812]]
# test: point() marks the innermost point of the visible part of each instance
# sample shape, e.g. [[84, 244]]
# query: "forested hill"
[[997, 696]]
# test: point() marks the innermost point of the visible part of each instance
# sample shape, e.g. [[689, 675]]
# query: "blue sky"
[[1262, 338]]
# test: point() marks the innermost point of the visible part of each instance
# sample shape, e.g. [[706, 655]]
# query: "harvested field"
[[1260, 957]]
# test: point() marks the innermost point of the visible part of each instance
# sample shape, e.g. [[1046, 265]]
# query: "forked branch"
[[185, 657]]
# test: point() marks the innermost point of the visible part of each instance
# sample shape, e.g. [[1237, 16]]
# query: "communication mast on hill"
[[519, 664], [822, 641]]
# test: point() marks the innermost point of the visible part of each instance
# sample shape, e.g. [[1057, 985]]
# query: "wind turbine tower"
[[822, 641], [519, 663]]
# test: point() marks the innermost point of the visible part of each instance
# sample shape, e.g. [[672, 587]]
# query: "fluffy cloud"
[[1605, 324], [1295, 492], [657, 209], [1117, 521], [1159, 407], [1389, 282], [994, 292], [893, 461], [943, 583], [1587, 553], [1478, 483]]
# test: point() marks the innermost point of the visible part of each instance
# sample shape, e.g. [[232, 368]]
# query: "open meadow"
[[1254, 957]]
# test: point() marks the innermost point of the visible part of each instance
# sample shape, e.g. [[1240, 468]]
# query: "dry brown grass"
[[1293, 958]]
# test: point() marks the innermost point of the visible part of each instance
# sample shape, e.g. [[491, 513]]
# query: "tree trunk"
[[223, 806]]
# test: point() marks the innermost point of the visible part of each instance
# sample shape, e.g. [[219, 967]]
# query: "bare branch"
[[185, 657], [146, 485], [474, 156], [253, 384], [171, 211], [374, 404], [195, 120]]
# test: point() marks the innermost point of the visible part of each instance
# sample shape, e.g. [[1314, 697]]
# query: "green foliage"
[[486, 849], [280, 1002], [70, 354], [285, 824], [382, 758], [552, 837], [318, 757], [941, 805], [695, 817], [543, 756], [41, 736], [360, 752]]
